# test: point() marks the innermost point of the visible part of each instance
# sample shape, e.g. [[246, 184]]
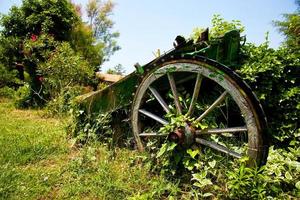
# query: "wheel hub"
[[184, 136]]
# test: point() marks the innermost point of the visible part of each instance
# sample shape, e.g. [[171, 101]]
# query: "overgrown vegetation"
[[202, 173], [273, 74], [41, 66]]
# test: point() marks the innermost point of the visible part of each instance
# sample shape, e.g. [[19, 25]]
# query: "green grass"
[[37, 161]]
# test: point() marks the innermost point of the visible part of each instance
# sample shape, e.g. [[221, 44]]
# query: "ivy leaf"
[[277, 172], [199, 176], [288, 176], [203, 183], [212, 164], [162, 150], [207, 194], [203, 126], [244, 159], [193, 153], [298, 185], [180, 99], [172, 146], [177, 158]]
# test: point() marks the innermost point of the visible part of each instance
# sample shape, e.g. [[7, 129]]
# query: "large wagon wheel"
[[208, 93]]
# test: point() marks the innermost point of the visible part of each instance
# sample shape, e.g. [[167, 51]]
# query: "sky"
[[146, 26]]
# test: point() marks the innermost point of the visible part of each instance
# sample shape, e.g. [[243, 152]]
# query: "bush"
[[63, 102], [279, 178], [65, 68], [7, 92], [23, 97], [274, 77], [7, 78]]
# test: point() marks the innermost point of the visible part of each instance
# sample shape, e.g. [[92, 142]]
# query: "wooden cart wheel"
[[230, 117]]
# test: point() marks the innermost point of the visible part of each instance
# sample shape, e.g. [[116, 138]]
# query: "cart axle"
[[184, 136]]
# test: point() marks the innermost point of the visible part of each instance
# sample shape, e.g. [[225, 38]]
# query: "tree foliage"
[[31, 34], [53, 17], [290, 27], [118, 69], [83, 41], [7, 78], [99, 18]]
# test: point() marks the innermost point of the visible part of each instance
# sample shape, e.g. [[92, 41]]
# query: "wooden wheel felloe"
[[230, 118]]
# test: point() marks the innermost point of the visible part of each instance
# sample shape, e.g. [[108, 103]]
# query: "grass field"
[[37, 161]]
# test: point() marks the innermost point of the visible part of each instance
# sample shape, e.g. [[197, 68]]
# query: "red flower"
[[33, 38], [41, 79], [78, 10]]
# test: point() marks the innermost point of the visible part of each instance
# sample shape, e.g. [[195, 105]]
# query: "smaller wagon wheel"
[[229, 117]]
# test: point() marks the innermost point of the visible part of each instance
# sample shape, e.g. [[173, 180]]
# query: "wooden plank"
[[109, 77]]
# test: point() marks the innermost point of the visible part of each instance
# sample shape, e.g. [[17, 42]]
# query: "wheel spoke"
[[159, 99], [215, 104], [195, 94], [153, 116], [151, 135], [218, 147], [222, 130], [178, 82], [174, 91]]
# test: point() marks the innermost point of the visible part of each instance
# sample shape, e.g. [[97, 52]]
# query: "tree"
[[83, 41], [54, 17], [31, 32], [290, 27], [34, 19], [118, 69], [31, 19], [7, 78], [35, 34], [98, 12]]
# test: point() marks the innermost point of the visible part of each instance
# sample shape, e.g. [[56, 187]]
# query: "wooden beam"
[[109, 77]]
